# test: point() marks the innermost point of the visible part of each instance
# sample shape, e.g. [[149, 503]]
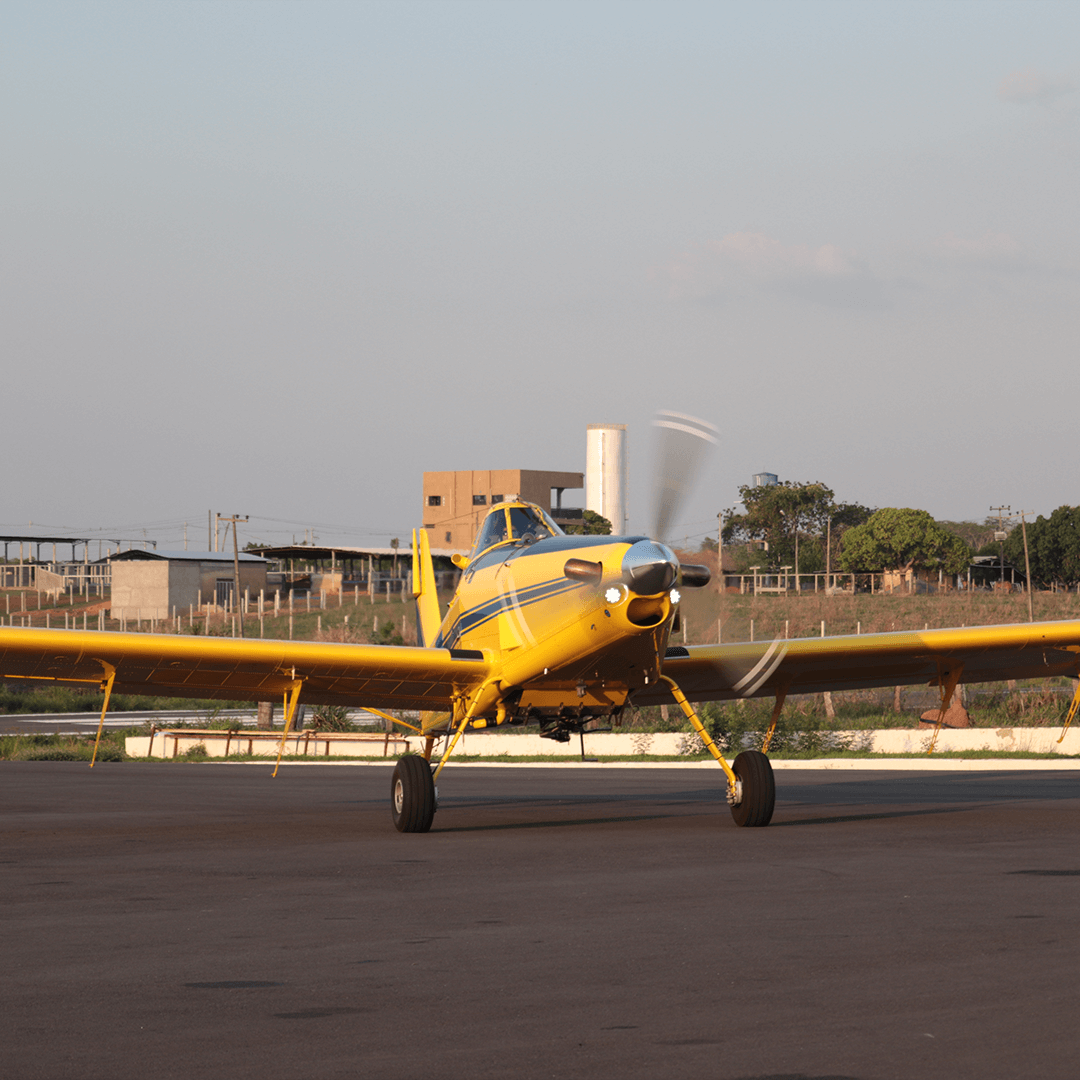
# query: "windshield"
[[527, 523], [530, 523]]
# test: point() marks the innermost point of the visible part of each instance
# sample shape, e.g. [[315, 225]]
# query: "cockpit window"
[[527, 523]]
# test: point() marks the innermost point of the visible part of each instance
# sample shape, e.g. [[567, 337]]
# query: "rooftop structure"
[[455, 503]]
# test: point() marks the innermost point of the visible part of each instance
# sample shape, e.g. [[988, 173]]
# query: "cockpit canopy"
[[518, 521]]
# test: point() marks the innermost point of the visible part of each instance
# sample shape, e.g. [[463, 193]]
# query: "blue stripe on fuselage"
[[476, 617]]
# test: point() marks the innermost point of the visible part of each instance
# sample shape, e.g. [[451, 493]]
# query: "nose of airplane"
[[649, 568]]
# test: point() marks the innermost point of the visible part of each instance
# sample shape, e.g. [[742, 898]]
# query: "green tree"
[[780, 512], [1053, 546], [976, 535], [592, 524], [902, 539]]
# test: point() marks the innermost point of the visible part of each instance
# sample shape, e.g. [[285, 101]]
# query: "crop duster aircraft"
[[547, 629]]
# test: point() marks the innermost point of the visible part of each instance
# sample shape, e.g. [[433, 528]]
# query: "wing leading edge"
[[384, 676], [809, 665]]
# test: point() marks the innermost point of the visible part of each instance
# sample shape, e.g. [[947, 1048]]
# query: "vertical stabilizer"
[[428, 616]]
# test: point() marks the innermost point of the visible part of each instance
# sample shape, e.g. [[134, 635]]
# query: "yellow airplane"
[[547, 629]]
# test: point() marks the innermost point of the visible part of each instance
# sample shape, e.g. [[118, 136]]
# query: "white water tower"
[[605, 473]]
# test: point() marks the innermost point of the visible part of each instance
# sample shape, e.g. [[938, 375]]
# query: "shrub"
[[331, 718]]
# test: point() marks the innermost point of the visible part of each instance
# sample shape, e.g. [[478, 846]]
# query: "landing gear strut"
[[751, 787], [756, 789], [412, 795]]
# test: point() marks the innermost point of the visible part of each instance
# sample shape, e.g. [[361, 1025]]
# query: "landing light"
[[613, 595], [676, 596]]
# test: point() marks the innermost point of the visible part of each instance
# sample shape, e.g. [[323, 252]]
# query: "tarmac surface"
[[197, 921]]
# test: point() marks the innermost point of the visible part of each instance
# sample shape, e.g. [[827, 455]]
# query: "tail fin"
[[428, 617]]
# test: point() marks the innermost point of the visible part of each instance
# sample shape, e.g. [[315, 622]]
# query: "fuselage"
[[574, 623]]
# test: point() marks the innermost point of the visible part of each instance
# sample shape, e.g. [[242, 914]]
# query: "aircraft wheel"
[[412, 795], [758, 789]]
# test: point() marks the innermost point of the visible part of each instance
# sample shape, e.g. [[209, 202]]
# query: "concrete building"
[[155, 584], [605, 474], [455, 503]]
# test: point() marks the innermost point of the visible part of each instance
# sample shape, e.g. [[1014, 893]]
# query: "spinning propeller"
[[682, 445], [650, 566]]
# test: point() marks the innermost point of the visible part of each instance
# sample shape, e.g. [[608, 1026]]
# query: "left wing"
[[808, 665], [384, 676]]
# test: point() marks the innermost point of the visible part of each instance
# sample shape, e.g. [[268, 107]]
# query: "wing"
[[806, 665], [383, 676]]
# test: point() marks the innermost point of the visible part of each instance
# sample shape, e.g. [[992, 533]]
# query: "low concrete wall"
[[48, 582], [170, 744], [1011, 739], [507, 744], [327, 583]]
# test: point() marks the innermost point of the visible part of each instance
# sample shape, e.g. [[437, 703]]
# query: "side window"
[[493, 531]]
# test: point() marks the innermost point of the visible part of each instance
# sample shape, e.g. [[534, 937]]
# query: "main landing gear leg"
[[1072, 709], [413, 795], [751, 787]]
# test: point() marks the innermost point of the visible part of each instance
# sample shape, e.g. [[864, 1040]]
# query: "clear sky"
[[278, 259]]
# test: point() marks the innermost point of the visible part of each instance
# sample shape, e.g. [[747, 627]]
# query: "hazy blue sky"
[[280, 258]]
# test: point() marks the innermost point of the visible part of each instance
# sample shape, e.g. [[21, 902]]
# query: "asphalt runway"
[[196, 921]]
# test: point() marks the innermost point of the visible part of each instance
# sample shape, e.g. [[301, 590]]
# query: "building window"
[[448, 537], [496, 499], [479, 500], [434, 500]]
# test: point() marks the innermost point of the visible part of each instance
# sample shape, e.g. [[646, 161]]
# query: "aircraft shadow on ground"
[[837, 819], [842, 819], [551, 824]]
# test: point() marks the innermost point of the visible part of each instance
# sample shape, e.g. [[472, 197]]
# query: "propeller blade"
[[682, 444]]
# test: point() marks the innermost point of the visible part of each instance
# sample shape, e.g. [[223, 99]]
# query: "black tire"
[[758, 789], [412, 795]]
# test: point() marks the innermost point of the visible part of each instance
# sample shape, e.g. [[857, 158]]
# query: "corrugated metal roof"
[[308, 551], [189, 556]]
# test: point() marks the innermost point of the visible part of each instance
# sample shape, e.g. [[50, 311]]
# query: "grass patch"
[[65, 747], [67, 699]]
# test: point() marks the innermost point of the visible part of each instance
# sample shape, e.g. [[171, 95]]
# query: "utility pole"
[[1003, 513], [720, 551], [1027, 562], [237, 602], [828, 553]]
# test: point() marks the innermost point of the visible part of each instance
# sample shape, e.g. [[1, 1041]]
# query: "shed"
[[156, 584]]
